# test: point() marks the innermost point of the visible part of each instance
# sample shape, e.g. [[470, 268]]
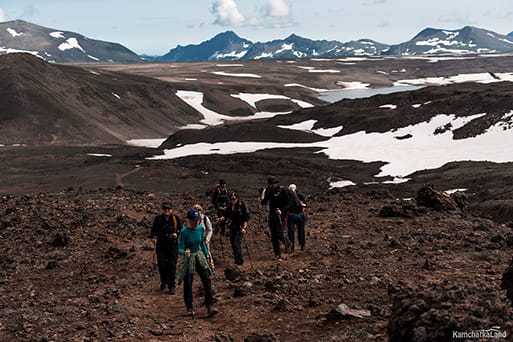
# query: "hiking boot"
[[302, 248], [172, 290], [162, 286], [278, 258], [212, 311], [191, 312], [288, 246]]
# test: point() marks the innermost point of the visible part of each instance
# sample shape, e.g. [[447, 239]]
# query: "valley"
[[89, 151]]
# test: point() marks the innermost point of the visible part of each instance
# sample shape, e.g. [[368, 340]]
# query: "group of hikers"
[[286, 212]]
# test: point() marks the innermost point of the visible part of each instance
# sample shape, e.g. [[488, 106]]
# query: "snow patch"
[[353, 85], [341, 184], [71, 43], [303, 86], [229, 65], [452, 191], [307, 126], [13, 32], [460, 78], [222, 73], [151, 143], [57, 34], [252, 99], [388, 106], [303, 104], [99, 155]]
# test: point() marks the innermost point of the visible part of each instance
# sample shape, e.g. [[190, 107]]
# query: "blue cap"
[[193, 215]]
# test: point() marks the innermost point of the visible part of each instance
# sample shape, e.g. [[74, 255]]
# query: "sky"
[[155, 26]]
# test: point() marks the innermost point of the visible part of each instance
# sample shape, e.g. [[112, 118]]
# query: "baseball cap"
[[193, 215]]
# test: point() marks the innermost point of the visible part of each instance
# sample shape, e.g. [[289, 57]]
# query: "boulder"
[[437, 200], [343, 311], [264, 336], [434, 312]]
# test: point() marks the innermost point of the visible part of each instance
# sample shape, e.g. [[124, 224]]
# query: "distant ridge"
[[60, 46], [469, 39], [229, 46]]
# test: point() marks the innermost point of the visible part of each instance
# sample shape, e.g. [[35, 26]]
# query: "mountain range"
[[68, 47], [229, 46]]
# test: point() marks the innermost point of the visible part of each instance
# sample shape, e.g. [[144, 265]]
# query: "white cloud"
[[277, 8], [275, 14], [3, 16], [227, 13]]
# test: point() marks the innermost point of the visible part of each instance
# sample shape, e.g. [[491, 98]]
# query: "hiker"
[[220, 202], [238, 214], [195, 259], [165, 231], [206, 222], [296, 217], [278, 200], [261, 196]]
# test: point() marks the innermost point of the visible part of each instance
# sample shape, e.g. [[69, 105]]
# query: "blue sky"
[[156, 26]]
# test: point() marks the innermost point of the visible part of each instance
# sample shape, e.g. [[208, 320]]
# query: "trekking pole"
[[221, 243], [153, 266], [247, 250], [189, 280]]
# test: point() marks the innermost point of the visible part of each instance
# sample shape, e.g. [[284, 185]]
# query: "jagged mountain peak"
[[226, 35]]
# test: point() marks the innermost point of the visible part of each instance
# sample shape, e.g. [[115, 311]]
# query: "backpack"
[[295, 206]]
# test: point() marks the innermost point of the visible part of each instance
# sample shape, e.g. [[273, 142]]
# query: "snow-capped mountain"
[[298, 47], [60, 46], [466, 40], [224, 46], [229, 46]]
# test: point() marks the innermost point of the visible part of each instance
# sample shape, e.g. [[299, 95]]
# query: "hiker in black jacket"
[[164, 232], [278, 200], [238, 213], [220, 202]]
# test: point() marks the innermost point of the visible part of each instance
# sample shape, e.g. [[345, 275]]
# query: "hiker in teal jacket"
[[195, 259]]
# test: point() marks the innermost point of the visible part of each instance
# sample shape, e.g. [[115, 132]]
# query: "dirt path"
[[119, 177]]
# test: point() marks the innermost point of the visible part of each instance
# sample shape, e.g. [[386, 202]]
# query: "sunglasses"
[[233, 198]]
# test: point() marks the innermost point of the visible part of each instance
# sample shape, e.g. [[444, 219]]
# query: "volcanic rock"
[[233, 273], [434, 312], [439, 201], [265, 336], [507, 281], [343, 311], [404, 209]]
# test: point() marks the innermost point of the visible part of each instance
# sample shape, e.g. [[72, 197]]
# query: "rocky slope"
[[44, 103], [78, 266]]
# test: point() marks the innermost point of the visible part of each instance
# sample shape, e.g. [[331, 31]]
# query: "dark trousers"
[[277, 227], [293, 221], [207, 286], [167, 267], [236, 241], [221, 225]]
